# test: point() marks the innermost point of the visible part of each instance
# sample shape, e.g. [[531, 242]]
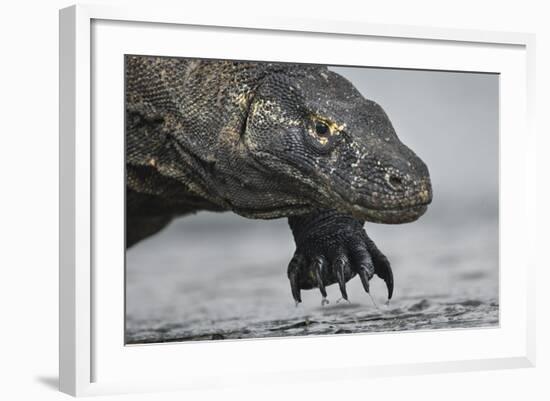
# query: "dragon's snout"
[[403, 189], [391, 188]]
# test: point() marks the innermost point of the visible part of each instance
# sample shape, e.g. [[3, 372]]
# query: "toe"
[[363, 266], [294, 267], [386, 274], [340, 266], [319, 267], [382, 267]]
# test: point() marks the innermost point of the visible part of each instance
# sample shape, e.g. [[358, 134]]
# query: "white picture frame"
[[93, 358]]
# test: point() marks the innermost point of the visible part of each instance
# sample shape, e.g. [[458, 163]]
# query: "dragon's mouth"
[[408, 211], [389, 216], [379, 208]]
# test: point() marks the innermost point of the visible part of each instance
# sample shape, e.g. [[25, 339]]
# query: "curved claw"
[[382, 267], [364, 267], [363, 275], [389, 282], [294, 287], [319, 265], [293, 271], [339, 267], [383, 270]]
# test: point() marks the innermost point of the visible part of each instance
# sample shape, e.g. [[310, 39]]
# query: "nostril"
[[395, 181]]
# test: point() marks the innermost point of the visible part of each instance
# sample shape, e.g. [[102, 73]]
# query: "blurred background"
[[219, 276]]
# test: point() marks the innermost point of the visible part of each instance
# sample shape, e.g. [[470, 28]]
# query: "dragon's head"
[[318, 143]]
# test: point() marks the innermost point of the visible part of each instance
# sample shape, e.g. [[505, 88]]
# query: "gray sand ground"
[[219, 276]]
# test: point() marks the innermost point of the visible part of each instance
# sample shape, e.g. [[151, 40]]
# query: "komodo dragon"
[[265, 141]]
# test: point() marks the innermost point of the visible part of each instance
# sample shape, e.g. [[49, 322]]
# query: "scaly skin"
[[265, 141]]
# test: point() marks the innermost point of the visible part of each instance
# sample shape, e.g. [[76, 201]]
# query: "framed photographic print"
[[261, 199]]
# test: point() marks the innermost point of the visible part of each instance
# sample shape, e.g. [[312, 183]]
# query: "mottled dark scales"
[[266, 141]]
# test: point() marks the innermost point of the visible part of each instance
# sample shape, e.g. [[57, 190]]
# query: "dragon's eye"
[[322, 129]]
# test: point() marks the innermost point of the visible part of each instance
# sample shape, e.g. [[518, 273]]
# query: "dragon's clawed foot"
[[321, 260]]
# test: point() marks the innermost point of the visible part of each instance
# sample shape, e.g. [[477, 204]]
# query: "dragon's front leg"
[[332, 248]]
